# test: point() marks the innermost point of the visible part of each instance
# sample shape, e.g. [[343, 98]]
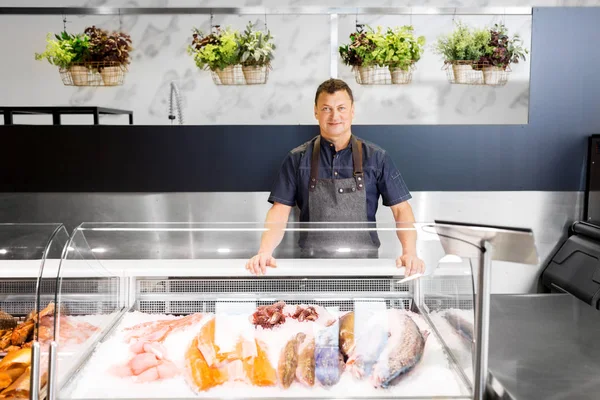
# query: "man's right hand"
[[258, 264]]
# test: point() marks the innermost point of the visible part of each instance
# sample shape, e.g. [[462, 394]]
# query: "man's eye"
[[342, 108]]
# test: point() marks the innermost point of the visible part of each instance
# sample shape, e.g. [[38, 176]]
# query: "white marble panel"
[[302, 62]]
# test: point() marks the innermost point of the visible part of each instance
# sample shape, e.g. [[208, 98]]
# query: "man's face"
[[334, 113]]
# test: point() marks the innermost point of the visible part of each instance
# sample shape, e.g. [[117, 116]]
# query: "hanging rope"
[[266, 30], [120, 22], [64, 19]]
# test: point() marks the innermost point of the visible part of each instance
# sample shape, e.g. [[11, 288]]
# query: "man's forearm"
[[275, 223], [407, 234]]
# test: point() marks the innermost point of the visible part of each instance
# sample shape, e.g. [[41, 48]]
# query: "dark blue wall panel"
[[547, 154]]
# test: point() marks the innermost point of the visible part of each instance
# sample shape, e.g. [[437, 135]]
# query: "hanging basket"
[[101, 73], [375, 75], [241, 75], [256, 74], [466, 72]]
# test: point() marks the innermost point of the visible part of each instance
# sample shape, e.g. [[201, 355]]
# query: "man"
[[337, 177]]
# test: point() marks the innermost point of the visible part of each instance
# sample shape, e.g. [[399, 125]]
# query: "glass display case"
[[29, 258], [170, 311]]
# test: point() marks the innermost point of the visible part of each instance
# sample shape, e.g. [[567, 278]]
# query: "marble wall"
[[303, 60]]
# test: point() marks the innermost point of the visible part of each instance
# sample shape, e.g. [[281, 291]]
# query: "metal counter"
[[544, 347]]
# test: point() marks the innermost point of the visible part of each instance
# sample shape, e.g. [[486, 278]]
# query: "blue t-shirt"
[[380, 174]]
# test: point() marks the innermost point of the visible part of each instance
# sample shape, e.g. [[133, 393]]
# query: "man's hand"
[[258, 264], [413, 264]]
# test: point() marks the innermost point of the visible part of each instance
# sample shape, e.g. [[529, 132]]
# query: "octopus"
[[307, 313], [269, 316]]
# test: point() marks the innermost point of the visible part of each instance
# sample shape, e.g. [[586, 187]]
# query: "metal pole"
[[482, 321], [34, 383], [51, 392]]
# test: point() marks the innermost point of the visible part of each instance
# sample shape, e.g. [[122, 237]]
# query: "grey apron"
[[343, 202]]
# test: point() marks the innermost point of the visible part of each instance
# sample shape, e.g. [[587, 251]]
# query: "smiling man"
[[337, 178]]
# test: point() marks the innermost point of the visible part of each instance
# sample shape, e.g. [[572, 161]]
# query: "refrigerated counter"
[[29, 258], [168, 311]]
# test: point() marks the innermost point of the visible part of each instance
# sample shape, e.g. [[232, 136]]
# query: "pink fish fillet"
[[142, 362]]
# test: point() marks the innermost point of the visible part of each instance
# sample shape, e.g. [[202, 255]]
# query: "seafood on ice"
[[149, 360], [276, 314], [288, 360], [16, 340], [207, 365], [392, 346]]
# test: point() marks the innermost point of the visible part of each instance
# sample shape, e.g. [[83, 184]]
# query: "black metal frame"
[[57, 111], [594, 140]]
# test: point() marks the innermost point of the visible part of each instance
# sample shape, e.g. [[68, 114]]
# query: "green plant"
[[399, 48], [216, 50], [463, 44], [65, 49], [256, 47], [502, 50], [359, 52], [108, 47]]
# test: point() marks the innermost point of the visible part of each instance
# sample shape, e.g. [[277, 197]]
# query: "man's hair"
[[334, 85]]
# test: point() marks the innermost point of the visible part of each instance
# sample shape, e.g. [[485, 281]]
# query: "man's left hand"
[[413, 264]]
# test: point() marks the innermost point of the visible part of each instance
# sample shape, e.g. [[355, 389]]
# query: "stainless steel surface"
[[482, 320], [34, 380], [509, 245], [545, 347], [52, 371], [263, 10], [548, 214], [182, 296]]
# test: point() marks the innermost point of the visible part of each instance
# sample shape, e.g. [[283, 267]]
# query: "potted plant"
[[219, 52], [66, 51], [462, 49], [109, 53], [500, 53], [399, 49], [359, 54], [256, 53]]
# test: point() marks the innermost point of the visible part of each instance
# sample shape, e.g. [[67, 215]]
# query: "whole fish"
[[288, 360], [347, 333], [463, 327], [305, 372], [368, 344], [402, 352], [329, 365]]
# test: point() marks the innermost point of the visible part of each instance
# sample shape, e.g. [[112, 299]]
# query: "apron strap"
[[314, 165], [357, 160]]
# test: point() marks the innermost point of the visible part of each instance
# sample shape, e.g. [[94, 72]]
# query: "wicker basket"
[[231, 75], [255, 74], [241, 75], [471, 73], [375, 75], [105, 73]]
